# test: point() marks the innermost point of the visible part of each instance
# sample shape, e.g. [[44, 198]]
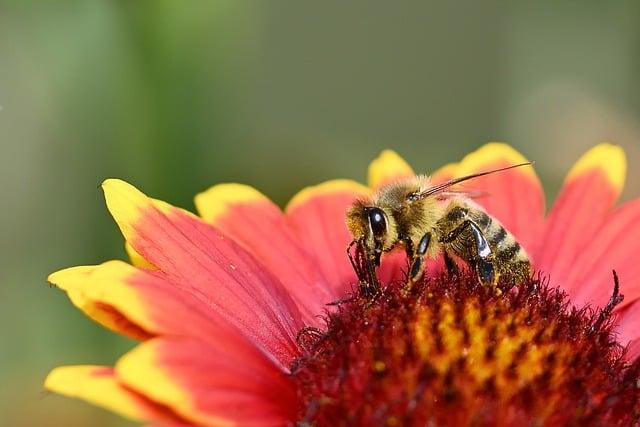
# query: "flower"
[[231, 310]]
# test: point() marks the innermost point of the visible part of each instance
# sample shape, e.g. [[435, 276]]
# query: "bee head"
[[373, 227]]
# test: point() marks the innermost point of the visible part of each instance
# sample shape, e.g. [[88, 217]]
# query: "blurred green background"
[[175, 96]]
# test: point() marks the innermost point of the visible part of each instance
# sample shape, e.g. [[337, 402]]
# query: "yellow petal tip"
[[608, 158], [211, 204], [387, 167], [124, 201], [329, 187], [96, 385], [486, 157], [70, 278], [64, 378], [109, 182]]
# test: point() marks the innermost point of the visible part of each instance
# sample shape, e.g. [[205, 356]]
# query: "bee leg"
[[482, 260], [364, 267], [371, 286], [485, 272], [417, 260], [408, 248], [450, 264]]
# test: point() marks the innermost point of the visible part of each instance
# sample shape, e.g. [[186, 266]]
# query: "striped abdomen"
[[507, 256]]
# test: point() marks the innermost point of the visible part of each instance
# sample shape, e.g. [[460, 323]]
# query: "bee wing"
[[440, 188]]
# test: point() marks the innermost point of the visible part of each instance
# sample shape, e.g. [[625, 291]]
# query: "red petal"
[[317, 215], [628, 328], [514, 197], [202, 261], [210, 385], [590, 190], [393, 267], [137, 259], [615, 246], [633, 350], [255, 222]]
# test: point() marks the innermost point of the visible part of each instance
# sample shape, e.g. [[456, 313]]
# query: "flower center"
[[454, 353]]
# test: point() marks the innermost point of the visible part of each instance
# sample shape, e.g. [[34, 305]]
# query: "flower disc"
[[451, 352]]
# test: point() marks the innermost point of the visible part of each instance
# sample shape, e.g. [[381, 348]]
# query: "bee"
[[430, 219]]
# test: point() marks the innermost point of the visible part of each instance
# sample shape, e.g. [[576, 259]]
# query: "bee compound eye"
[[378, 221]]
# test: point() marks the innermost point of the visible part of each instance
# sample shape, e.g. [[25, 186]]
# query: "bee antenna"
[[438, 188]]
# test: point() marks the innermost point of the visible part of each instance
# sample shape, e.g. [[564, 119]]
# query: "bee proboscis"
[[430, 219]]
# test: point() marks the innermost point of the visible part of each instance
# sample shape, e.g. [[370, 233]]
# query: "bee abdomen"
[[510, 250], [505, 245], [484, 221]]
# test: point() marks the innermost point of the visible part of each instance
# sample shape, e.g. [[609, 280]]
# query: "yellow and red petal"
[[169, 425], [515, 197], [202, 261], [589, 192], [614, 246], [210, 385], [99, 386], [143, 302], [445, 173], [137, 259], [82, 285], [317, 216], [387, 168], [259, 225]]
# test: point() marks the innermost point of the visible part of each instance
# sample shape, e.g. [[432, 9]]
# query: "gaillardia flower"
[[251, 316]]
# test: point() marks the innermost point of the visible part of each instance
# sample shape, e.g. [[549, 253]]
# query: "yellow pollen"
[[495, 346], [379, 366]]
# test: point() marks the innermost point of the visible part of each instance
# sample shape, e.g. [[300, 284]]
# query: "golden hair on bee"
[[430, 219]]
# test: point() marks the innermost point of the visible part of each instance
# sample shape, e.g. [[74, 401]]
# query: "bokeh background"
[[175, 96]]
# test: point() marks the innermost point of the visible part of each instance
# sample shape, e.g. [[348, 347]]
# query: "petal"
[[137, 259], [628, 328], [99, 386], [394, 267], [210, 385], [251, 219], [388, 167], [589, 191], [170, 425], [445, 173], [633, 349], [317, 216], [514, 197], [197, 258], [615, 246], [78, 281], [141, 300]]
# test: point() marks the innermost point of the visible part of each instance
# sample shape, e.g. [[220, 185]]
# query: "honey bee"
[[430, 219]]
